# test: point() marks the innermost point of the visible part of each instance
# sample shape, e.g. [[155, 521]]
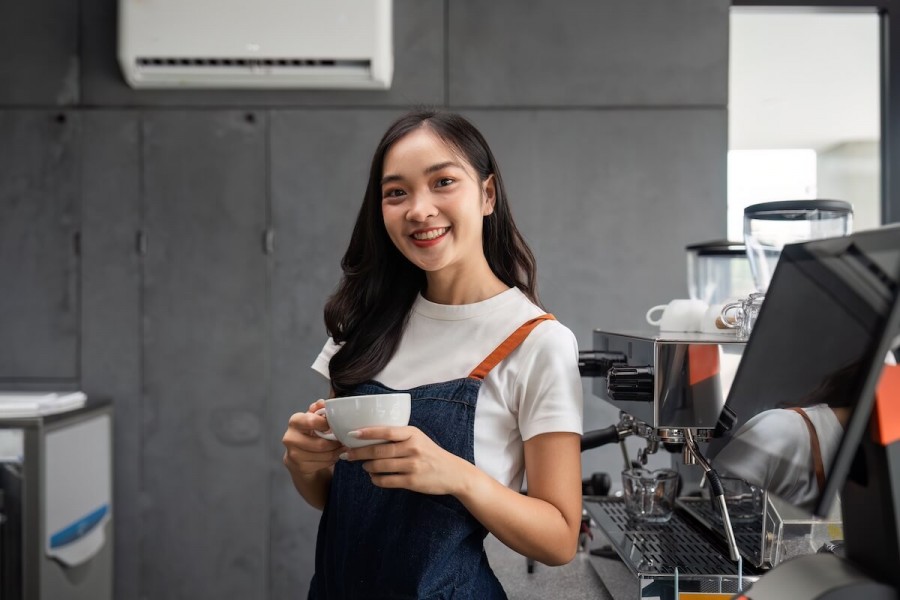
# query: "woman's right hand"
[[305, 452]]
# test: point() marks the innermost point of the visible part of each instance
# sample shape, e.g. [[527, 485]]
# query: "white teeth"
[[430, 235]]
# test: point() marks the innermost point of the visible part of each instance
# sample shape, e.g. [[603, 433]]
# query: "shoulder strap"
[[508, 345], [818, 465]]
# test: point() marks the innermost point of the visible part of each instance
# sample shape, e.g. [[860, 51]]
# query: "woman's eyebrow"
[[433, 168], [442, 165]]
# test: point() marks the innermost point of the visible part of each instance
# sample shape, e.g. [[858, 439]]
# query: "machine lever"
[[600, 437], [595, 363]]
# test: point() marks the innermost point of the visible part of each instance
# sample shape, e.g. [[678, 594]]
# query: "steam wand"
[[716, 489]]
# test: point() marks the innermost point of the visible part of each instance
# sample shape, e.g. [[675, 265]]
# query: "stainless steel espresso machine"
[[830, 321], [670, 389]]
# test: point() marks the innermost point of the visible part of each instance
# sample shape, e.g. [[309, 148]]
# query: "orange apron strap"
[[818, 464], [508, 345], [886, 415], [703, 362]]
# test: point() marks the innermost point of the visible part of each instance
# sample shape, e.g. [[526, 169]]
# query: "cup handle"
[[723, 315], [660, 307], [324, 436]]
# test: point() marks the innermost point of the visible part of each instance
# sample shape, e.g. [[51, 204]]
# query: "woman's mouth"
[[429, 237]]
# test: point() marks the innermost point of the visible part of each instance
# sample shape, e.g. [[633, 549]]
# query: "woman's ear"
[[489, 191]]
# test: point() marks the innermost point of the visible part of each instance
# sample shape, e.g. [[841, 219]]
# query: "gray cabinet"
[[205, 331], [38, 261], [57, 529]]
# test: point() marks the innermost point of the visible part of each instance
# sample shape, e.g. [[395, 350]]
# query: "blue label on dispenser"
[[79, 528]]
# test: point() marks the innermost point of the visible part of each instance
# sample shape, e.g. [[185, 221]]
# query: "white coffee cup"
[[681, 314], [350, 413]]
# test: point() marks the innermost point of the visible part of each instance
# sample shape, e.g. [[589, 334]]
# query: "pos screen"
[[828, 321]]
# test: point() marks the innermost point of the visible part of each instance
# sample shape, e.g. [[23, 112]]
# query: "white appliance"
[[324, 44]]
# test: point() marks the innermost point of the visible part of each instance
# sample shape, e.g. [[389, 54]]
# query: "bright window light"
[[764, 176]]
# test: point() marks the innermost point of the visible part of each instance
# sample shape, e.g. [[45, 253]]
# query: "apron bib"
[[394, 543]]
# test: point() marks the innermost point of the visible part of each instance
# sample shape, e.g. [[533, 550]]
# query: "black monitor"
[[830, 316]]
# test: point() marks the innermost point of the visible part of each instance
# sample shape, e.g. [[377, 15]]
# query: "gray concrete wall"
[[131, 228]]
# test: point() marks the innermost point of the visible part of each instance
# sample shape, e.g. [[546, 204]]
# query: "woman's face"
[[433, 203]]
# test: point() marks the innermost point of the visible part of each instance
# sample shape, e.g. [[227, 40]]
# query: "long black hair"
[[370, 308]]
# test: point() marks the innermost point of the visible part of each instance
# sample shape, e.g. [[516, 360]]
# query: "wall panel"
[[610, 53], [110, 315], [39, 60], [39, 216], [205, 356]]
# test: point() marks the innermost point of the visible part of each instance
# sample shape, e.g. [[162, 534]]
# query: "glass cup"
[[743, 500], [742, 314], [650, 495]]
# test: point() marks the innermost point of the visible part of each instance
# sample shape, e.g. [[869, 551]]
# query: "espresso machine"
[[670, 389]]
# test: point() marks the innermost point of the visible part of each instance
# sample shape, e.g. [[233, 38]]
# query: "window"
[[803, 114]]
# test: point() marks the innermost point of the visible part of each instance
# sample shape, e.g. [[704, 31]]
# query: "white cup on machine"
[[681, 314]]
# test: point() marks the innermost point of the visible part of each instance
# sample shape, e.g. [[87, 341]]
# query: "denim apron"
[[393, 543]]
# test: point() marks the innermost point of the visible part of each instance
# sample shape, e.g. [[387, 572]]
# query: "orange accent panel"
[[703, 362], [508, 345], [886, 416], [705, 596]]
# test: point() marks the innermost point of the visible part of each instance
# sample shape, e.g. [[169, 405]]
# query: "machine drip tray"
[[652, 551]]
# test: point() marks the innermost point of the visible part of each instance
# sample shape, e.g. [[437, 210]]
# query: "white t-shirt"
[[772, 450], [536, 389]]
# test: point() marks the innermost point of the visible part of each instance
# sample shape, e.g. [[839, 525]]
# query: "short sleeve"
[[549, 383], [763, 450], [320, 365]]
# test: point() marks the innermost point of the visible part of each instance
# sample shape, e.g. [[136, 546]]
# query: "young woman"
[[438, 299]]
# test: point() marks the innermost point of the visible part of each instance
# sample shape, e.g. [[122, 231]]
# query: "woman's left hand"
[[410, 460]]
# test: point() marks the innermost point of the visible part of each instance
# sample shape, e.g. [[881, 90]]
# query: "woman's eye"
[[444, 181], [395, 193]]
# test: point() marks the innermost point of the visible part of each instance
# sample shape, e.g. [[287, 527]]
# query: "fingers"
[[392, 480], [309, 442], [392, 466], [388, 434], [298, 457], [307, 421], [300, 460], [306, 452]]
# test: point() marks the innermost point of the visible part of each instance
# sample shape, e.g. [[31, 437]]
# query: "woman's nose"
[[421, 208]]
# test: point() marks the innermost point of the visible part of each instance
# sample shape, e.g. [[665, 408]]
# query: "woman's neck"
[[456, 288]]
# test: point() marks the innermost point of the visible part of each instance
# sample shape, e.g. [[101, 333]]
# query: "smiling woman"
[[433, 208], [438, 301]]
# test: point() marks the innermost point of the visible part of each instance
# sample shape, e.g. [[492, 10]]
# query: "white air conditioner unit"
[[324, 44]]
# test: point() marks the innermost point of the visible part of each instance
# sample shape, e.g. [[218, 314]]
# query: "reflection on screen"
[[816, 341]]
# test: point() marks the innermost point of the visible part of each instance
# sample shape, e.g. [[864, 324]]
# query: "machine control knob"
[[630, 383]]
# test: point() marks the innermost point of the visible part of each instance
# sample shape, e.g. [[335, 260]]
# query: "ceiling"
[[802, 79]]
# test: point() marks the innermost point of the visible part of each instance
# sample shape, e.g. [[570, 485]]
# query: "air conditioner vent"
[[327, 63], [273, 44]]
